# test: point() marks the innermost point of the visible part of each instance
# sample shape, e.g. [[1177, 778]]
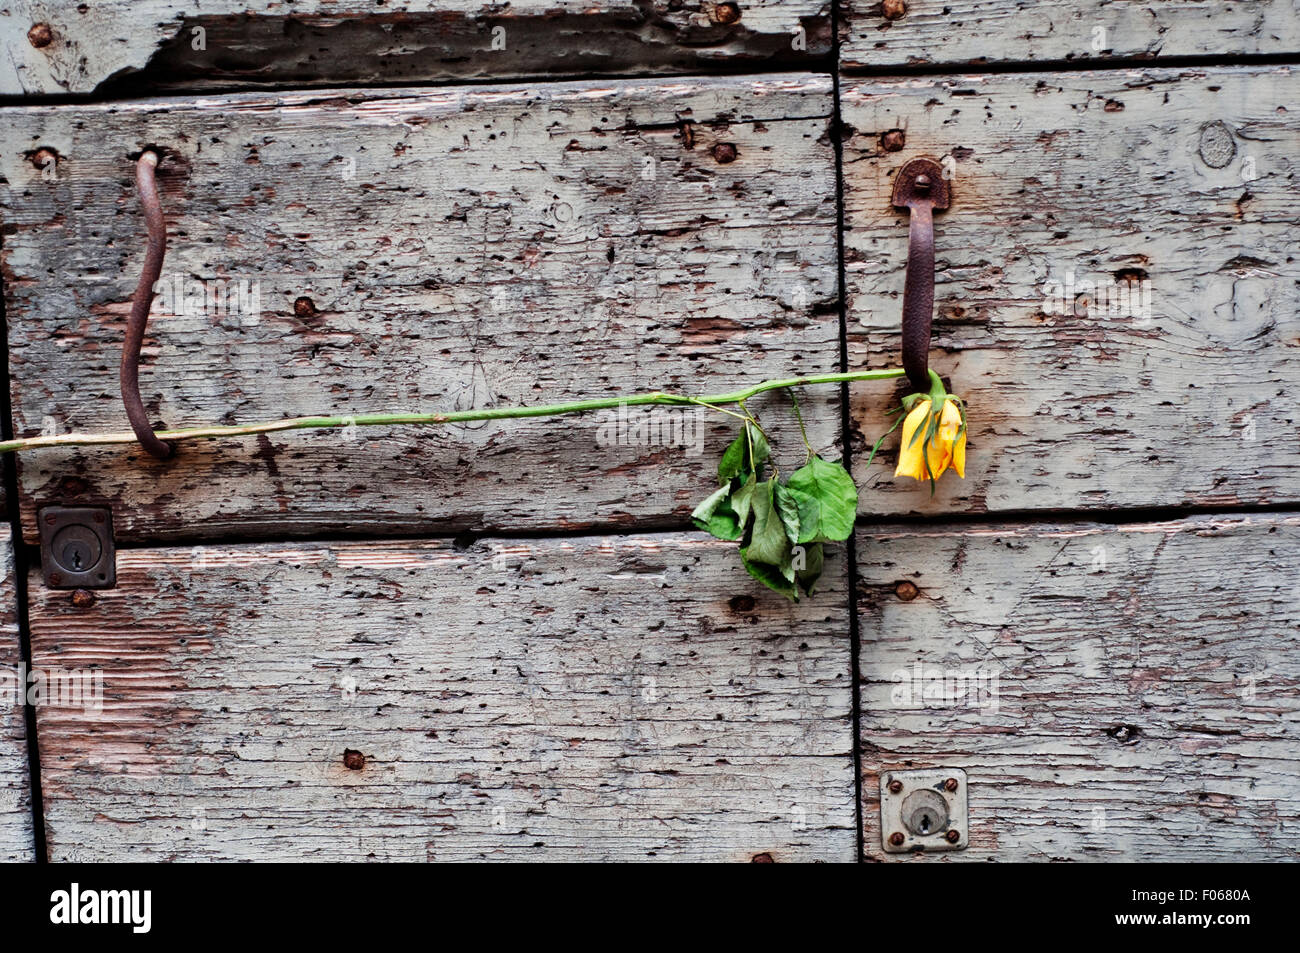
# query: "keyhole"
[[925, 813], [78, 549]]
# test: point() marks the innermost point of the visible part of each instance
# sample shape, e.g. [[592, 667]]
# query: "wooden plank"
[[963, 32], [1116, 692], [1181, 395], [614, 698], [418, 251], [16, 840], [62, 46]]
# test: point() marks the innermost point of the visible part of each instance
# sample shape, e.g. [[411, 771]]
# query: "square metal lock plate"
[[924, 810], [77, 550]]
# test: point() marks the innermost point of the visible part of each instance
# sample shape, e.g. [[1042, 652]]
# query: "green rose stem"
[[712, 401]]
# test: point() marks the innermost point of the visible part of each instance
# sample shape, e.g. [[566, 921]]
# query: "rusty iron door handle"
[[140, 303], [921, 188]]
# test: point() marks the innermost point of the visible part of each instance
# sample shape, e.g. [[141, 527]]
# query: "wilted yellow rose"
[[943, 448]]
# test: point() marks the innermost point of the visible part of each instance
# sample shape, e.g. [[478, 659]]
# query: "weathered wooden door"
[[506, 641]]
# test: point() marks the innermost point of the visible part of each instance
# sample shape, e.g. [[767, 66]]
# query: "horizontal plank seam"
[[819, 66], [1188, 61], [467, 540]]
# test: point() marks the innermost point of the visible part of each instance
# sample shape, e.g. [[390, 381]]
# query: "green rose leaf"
[[808, 562], [741, 499], [733, 460], [716, 516], [788, 510], [769, 541], [830, 485], [772, 577], [737, 461], [809, 515]]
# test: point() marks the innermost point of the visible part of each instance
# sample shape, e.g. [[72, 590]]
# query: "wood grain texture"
[[623, 697], [1184, 180], [1140, 684], [16, 841], [195, 44], [960, 32], [419, 251]]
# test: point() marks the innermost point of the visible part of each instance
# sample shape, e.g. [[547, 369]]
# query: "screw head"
[[726, 13], [896, 839], [922, 183], [950, 785], [895, 786], [40, 35], [893, 140], [952, 837]]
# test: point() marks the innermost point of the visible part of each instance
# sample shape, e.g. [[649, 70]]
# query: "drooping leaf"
[[724, 525], [716, 516], [710, 505], [761, 449], [811, 571], [768, 541], [788, 510], [771, 577], [733, 460], [836, 495], [740, 501], [809, 514], [738, 460]]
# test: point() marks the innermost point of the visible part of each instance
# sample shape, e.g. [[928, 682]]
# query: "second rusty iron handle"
[[140, 303], [919, 187]]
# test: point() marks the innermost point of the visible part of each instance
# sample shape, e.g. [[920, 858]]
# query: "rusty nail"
[[763, 858], [355, 760], [40, 35], [893, 140], [726, 13], [952, 837], [83, 598], [43, 157], [304, 307], [950, 785], [906, 591], [724, 152], [895, 786], [896, 839], [893, 9]]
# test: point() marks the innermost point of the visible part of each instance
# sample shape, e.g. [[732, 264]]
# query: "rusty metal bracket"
[[140, 303], [920, 187], [77, 547]]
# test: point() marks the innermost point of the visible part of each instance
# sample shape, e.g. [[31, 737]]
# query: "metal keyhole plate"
[[923, 810], [77, 549]]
